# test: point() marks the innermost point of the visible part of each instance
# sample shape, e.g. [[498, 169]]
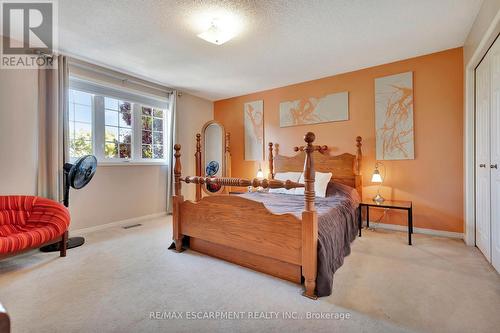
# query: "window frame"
[[98, 123]]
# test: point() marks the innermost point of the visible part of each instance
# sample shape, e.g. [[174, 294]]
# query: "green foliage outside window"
[[111, 146], [81, 145]]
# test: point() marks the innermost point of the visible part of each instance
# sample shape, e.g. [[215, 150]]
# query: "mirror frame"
[[223, 156]]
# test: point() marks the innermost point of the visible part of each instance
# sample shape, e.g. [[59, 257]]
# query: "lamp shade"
[[376, 178], [260, 174]]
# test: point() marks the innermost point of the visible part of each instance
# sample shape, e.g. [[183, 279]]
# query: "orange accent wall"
[[433, 180]]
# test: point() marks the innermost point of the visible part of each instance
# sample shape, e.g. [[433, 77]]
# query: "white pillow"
[[320, 184], [293, 176]]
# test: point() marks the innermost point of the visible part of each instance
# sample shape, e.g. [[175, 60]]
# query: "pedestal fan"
[[76, 176]]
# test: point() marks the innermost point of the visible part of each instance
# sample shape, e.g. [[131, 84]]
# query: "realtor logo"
[[28, 31]]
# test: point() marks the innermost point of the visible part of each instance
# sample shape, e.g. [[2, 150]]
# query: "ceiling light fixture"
[[216, 24], [218, 33]]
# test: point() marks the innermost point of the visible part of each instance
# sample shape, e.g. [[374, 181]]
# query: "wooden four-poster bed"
[[246, 232]]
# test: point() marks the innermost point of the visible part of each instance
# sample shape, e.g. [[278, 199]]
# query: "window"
[[152, 133], [80, 123], [114, 128]]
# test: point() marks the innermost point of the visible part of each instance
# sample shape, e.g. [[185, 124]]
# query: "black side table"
[[390, 204]]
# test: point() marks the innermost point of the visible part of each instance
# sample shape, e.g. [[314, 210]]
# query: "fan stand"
[[73, 241]]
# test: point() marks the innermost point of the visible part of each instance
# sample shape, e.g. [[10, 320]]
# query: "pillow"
[[293, 176], [320, 184], [332, 189]]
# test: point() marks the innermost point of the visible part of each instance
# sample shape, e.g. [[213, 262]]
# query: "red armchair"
[[28, 222]]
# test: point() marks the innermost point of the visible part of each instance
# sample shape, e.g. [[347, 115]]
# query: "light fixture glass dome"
[[376, 178]]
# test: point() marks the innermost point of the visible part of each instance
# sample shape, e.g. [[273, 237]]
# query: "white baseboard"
[[425, 231], [117, 223]]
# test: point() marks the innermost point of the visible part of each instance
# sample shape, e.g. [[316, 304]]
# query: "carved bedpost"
[[357, 167], [309, 172], [309, 221], [177, 170], [227, 156], [197, 156], [178, 199], [271, 161], [359, 155]]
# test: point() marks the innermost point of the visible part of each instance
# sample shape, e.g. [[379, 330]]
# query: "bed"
[[298, 238]]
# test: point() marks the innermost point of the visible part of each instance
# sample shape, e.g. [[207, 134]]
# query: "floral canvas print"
[[254, 130], [312, 110], [394, 117]]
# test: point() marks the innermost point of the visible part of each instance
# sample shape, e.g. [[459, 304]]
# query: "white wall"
[[117, 192], [18, 131], [192, 113]]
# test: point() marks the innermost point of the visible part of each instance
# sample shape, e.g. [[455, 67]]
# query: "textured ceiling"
[[282, 42]]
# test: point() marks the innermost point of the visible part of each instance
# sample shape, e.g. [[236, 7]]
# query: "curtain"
[[172, 139], [52, 132]]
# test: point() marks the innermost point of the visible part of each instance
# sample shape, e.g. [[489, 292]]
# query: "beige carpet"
[[113, 283]]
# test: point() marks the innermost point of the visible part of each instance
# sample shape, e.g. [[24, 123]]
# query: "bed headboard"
[[344, 167]]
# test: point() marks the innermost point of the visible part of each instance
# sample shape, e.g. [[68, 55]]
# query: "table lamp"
[[260, 174], [377, 178]]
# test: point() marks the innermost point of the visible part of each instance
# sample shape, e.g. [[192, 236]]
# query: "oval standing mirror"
[[213, 150]]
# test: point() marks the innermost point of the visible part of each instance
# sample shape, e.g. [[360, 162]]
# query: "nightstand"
[[389, 204]]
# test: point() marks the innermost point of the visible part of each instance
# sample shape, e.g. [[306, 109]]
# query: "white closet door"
[[495, 153], [483, 232]]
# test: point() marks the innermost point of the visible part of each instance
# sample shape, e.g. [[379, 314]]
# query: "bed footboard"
[[243, 224]]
